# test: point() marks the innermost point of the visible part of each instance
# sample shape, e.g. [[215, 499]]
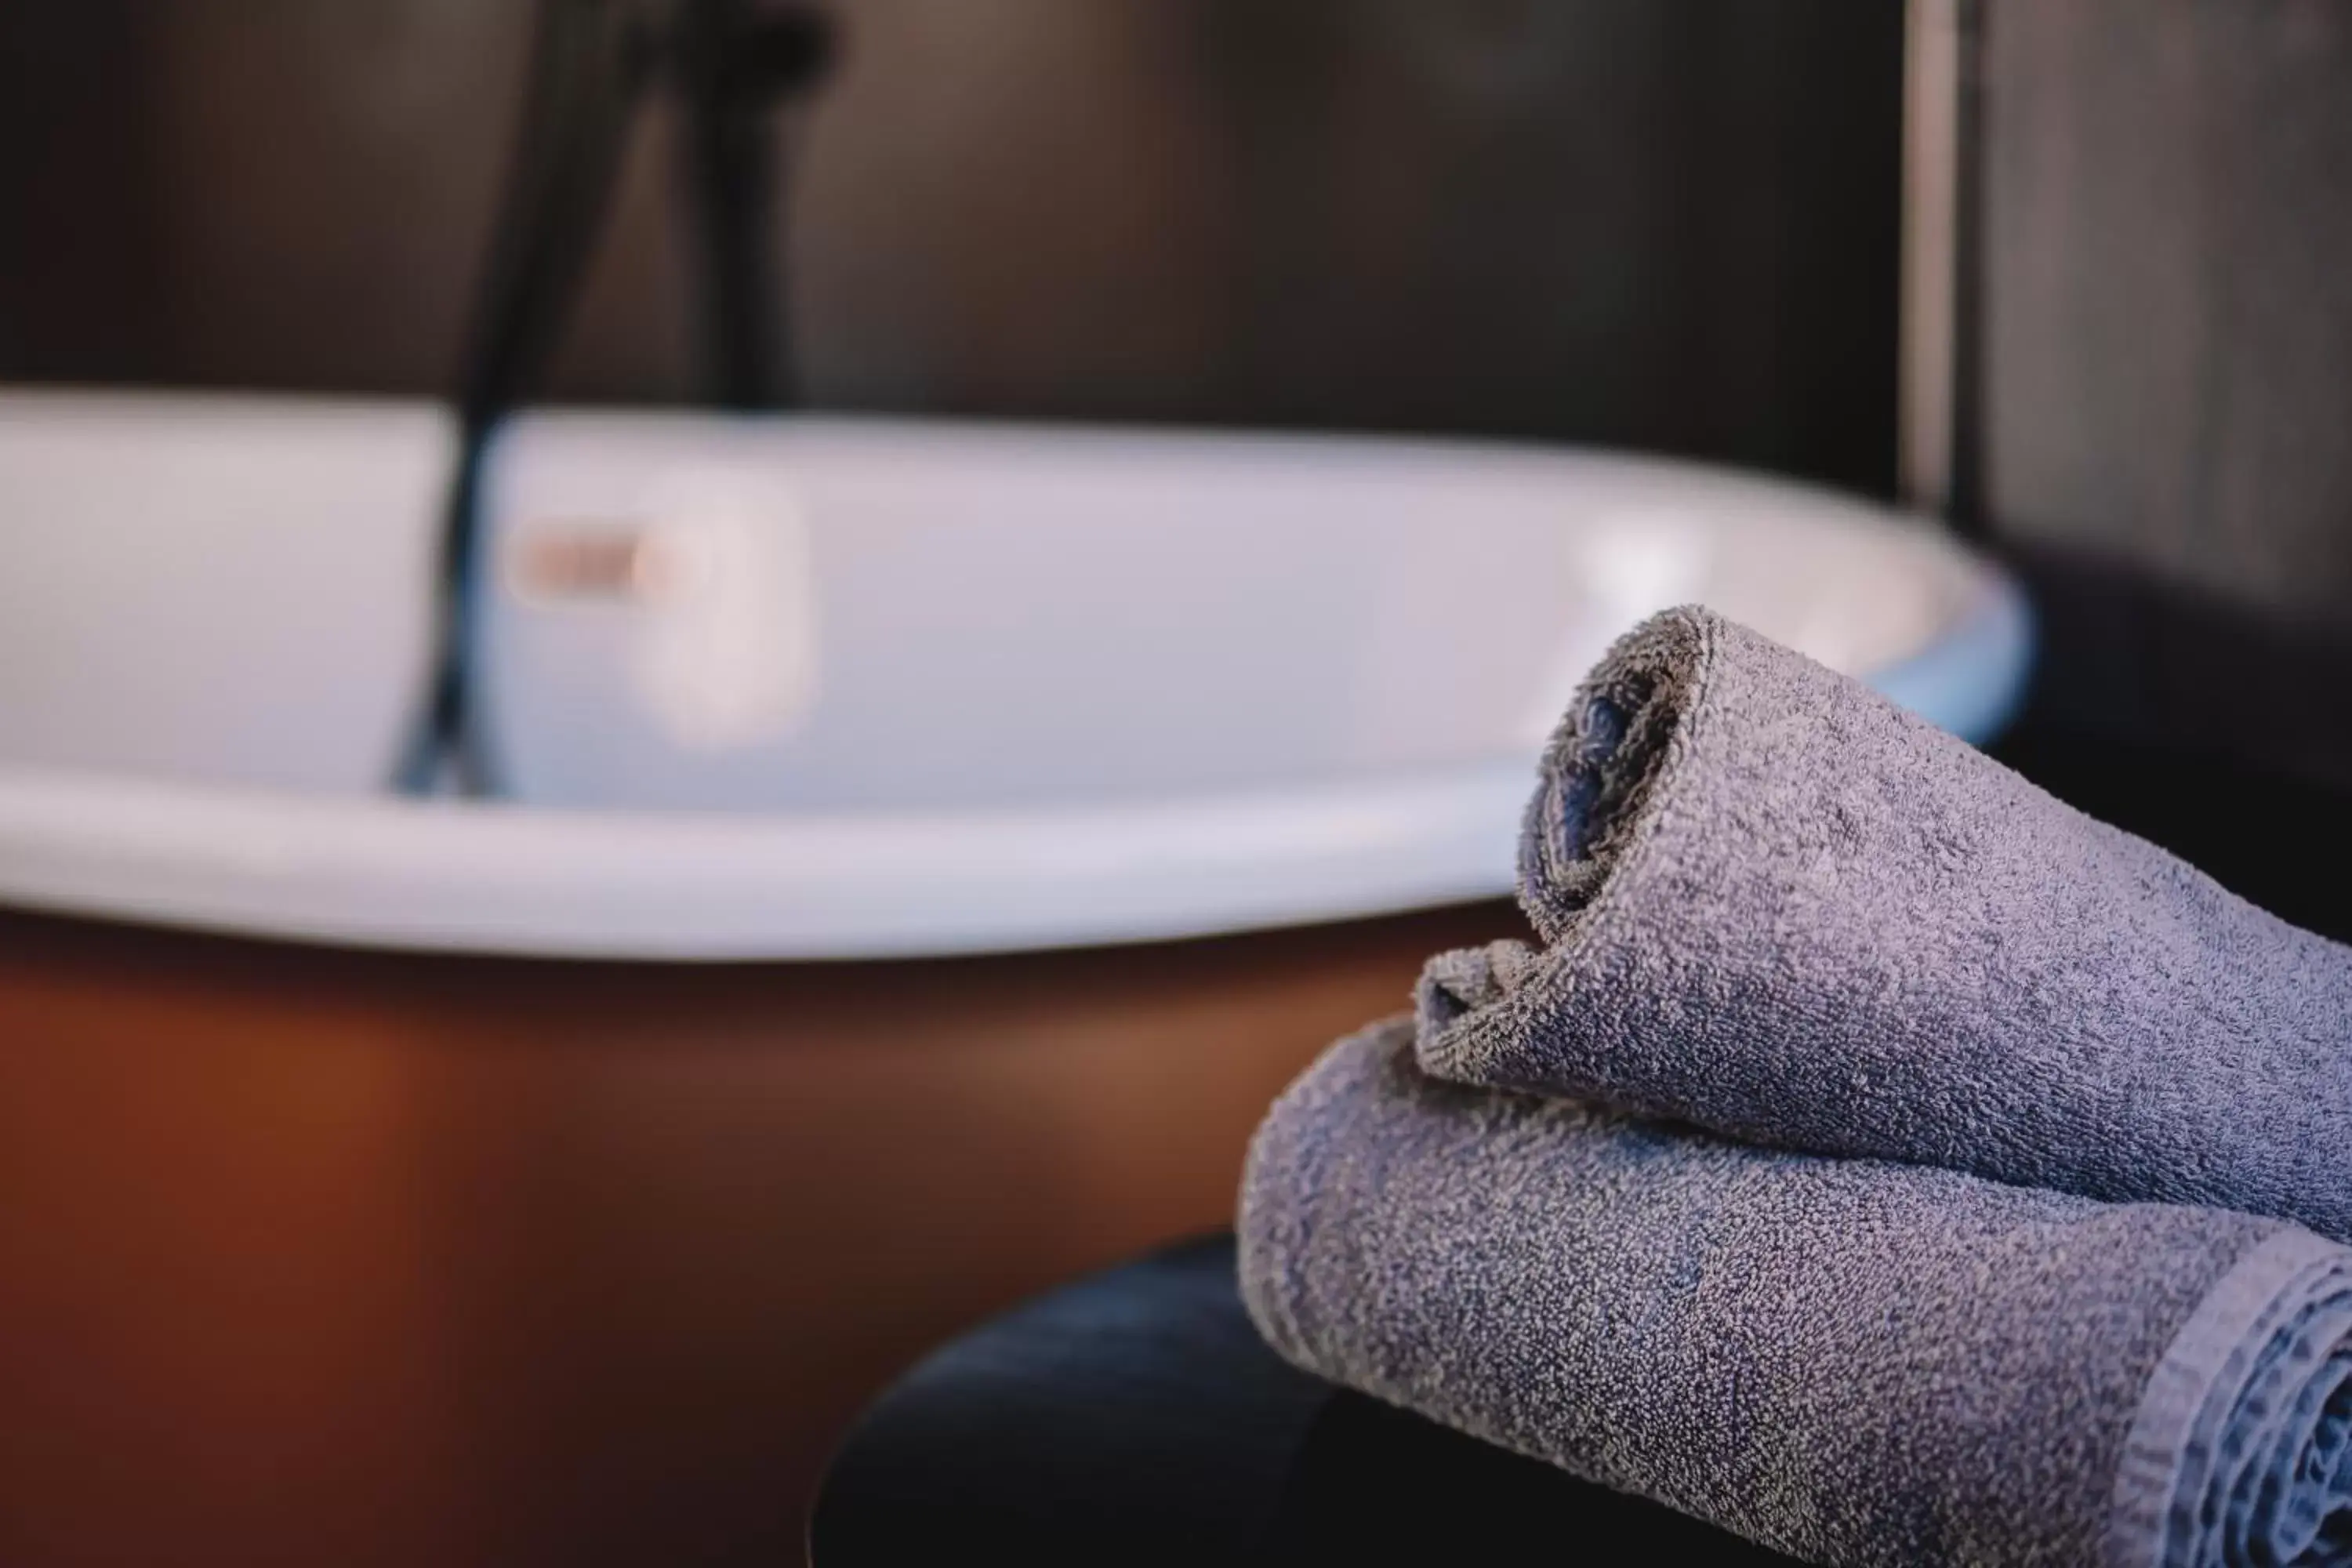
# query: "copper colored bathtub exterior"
[[320, 1257]]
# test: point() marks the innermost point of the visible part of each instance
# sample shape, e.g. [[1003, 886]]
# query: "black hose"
[[736, 59], [589, 65]]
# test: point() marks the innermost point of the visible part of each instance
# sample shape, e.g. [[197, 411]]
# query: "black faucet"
[[733, 63]]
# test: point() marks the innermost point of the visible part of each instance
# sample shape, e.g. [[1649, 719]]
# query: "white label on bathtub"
[[724, 655]]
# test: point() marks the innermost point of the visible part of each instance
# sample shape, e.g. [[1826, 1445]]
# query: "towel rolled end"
[[2241, 1448], [1605, 761], [1286, 1176]]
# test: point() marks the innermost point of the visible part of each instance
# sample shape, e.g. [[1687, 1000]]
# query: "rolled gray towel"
[[1853, 1361], [1777, 906]]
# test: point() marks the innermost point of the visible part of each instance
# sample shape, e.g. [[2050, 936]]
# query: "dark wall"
[[1668, 225], [2168, 296]]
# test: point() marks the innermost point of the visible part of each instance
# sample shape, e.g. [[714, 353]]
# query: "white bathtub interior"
[[802, 686]]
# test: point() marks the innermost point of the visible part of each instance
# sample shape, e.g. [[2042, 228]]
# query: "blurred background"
[[388, 1257], [1672, 226]]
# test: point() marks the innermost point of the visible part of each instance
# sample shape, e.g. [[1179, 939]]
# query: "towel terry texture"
[[1776, 906], [1854, 1362]]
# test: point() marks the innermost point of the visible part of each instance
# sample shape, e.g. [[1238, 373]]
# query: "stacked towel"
[[1776, 907], [1851, 1362]]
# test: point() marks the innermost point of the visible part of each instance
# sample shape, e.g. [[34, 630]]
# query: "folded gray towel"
[[1778, 906], [1854, 1362]]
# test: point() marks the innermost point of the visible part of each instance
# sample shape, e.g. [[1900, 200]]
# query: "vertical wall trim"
[[1931, 144]]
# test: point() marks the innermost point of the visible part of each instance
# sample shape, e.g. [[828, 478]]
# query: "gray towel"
[[1778, 906], [1854, 1362]]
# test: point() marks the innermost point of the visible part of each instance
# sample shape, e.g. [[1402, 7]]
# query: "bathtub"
[[812, 687]]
